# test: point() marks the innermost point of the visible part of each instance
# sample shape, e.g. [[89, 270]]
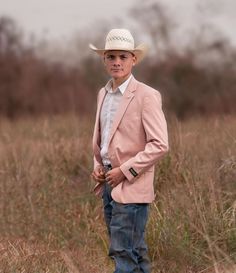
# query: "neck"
[[117, 82]]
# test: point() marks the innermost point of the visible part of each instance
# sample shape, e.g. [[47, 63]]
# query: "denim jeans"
[[126, 227]]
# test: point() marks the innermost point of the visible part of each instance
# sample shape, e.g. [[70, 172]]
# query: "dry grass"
[[50, 222]]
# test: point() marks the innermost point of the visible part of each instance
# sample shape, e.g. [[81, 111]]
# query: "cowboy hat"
[[121, 39]]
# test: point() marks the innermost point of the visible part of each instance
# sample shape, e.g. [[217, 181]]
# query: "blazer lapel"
[[127, 97]]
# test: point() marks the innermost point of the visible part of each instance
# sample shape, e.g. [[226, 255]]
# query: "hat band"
[[119, 38], [110, 47], [117, 42]]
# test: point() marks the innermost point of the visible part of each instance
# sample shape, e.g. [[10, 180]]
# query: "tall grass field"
[[51, 221]]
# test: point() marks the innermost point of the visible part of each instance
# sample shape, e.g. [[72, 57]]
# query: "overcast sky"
[[61, 18]]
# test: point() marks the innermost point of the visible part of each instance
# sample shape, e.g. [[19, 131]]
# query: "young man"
[[130, 136]]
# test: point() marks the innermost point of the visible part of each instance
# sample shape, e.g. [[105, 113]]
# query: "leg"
[[128, 248], [107, 207]]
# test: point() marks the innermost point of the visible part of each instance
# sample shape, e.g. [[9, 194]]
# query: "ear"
[[134, 60], [103, 60]]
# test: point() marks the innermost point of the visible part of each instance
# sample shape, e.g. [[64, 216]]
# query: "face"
[[119, 63]]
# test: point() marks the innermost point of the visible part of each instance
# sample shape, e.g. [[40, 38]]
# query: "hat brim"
[[140, 51]]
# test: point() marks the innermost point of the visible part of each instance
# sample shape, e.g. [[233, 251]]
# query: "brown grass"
[[50, 221]]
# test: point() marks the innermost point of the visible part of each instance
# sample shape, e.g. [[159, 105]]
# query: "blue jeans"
[[126, 227]]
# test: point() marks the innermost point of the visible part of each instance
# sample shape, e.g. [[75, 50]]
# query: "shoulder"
[[143, 90], [101, 92]]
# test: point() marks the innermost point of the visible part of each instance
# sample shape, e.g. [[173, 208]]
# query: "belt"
[[107, 167]]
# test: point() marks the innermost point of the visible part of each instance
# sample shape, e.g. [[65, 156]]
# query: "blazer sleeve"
[[96, 135], [155, 127]]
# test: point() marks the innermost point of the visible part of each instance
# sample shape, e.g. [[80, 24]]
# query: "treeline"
[[29, 85], [197, 80], [192, 90]]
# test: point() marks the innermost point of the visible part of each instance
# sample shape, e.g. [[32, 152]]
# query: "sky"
[[59, 19]]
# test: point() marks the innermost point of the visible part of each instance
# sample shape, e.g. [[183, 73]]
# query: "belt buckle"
[[108, 167]]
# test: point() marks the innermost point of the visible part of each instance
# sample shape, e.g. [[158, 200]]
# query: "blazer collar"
[[132, 86], [126, 99], [122, 87]]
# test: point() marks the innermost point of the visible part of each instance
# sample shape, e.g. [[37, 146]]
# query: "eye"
[[123, 57], [110, 57]]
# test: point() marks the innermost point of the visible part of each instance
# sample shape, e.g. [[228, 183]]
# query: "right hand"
[[98, 174]]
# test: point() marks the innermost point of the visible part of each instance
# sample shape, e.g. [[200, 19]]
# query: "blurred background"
[[47, 68], [50, 220]]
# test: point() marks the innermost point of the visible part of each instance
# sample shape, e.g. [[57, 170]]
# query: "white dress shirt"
[[109, 108]]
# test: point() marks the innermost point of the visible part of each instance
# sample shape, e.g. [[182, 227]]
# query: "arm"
[[155, 128]]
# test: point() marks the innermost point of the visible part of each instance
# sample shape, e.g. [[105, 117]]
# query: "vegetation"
[[51, 222], [188, 76]]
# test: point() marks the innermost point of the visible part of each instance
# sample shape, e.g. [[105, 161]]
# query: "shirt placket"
[[109, 121]]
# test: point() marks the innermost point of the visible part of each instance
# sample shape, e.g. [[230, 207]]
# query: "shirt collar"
[[121, 88]]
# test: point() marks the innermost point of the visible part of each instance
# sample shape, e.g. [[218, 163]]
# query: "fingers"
[[111, 180], [108, 179], [112, 177], [98, 176], [98, 179], [101, 172]]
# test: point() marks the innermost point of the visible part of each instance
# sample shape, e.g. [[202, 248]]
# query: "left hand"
[[114, 177]]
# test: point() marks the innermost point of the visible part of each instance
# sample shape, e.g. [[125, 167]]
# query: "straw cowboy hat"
[[121, 39]]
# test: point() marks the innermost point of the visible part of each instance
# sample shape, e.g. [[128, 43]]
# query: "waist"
[[107, 167]]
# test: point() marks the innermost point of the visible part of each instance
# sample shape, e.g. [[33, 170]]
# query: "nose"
[[116, 61]]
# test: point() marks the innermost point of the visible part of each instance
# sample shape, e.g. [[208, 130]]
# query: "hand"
[[98, 174], [114, 177]]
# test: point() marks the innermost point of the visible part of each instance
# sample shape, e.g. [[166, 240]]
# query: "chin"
[[117, 75]]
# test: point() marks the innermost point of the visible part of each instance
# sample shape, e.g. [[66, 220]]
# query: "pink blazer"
[[138, 139]]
